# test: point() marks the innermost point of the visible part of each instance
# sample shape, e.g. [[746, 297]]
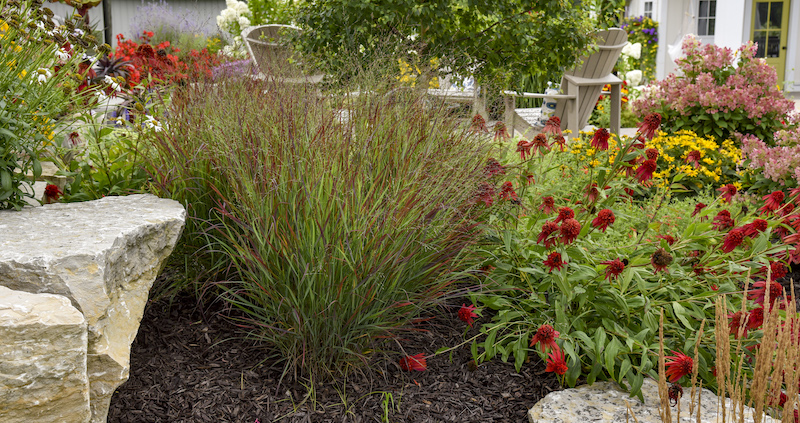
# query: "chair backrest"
[[267, 45], [597, 65]]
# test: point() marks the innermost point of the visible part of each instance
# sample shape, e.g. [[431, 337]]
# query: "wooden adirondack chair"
[[580, 89], [267, 46]]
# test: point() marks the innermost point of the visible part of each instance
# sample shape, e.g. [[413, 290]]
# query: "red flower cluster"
[[467, 314], [556, 362], [732, 240], [772, 202], [697, 208], [679, 366], [507, 191], [650, 125], [548, 205], [553, 126], [603, 219], [723, 221], [600, 139], [554, 261], [478, 124], [614, 269], [565, 213], [727, 192], [570, 229], [51, 194], [645, 170], [414, 362], [500, 132], [547, 336], [693, 158], [493, 167]]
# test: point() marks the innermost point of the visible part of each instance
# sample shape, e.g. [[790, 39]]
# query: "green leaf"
[[599, 341], [573, 371], [624, 368], [610, 355], [680, 313]]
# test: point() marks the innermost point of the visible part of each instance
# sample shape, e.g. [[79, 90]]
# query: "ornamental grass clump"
[[330, 222], [717, 93]]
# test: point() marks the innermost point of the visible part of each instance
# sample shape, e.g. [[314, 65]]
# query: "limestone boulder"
[[606, 402], [103, 256], [42, 359]]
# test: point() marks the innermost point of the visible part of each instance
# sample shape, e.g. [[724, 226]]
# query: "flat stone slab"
[[605, 402], [103, 256]]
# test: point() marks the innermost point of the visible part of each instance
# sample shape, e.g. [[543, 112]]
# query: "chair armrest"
[[536, 95], [582, 82]]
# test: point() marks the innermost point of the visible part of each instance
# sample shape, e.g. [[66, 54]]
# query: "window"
[[648, 9], [706, 17]]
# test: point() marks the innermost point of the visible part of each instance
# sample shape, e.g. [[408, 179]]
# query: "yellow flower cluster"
[[702, 160], [409, 73], [586, 155]]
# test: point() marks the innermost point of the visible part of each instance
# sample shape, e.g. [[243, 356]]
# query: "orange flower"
[[413, 362]]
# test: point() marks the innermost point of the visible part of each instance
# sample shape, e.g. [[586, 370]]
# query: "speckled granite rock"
[[605, 402], [42, 359], [103, 256]]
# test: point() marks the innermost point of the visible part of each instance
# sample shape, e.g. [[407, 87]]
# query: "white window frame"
[[708, 22]]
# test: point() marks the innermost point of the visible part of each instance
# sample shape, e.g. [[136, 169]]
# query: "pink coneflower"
[[554, 261], [548, 205], [660, 259], [732, 240], [540, 144], [467, 314], [772, 202], [614, 269], [556, 362], [524, 149], [547, 336], [548, 229], [604, 219], [693, 158], [500, 132], [570, 229], [565, 213], [727, 192], [680, 365], [650, 125], [600, 139], [697, 208], [645, 170], [553, 126]]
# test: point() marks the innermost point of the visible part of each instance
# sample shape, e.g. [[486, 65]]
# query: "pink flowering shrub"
[[717, 93], [775, 167]]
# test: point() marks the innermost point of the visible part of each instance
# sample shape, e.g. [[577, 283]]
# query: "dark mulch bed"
[[186, 367]]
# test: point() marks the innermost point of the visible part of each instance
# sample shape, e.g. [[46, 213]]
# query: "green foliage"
[[332, 220], [601, 115], [498, 42], [608, 323], [35, 93], [274, 11]]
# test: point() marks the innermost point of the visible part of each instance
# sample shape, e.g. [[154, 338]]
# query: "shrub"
[[716, 94], [42, 71], [644, 31], [773, 168], [160, 64], [333, 220]]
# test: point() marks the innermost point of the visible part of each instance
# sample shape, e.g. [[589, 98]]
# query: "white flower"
[[62, 55], [43, 75], [112, 83], [632, 50], [634, 77], [101, 97], [243, 22], [151, 123], [78, 32], [413, 36]]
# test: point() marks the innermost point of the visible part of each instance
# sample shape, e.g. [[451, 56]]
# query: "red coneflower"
[[693, 158], [556, 362], [786, 210], [591, 192], [554, 261], [755, 227], [51, 194], [500, 132], [548, 229], [669, 238], [485, 193], [650, 125], [548, 205], [553, 126], [723, 221], [560, 141], [645, 170], [524, 149], [614, 269], [660, 259], [651, 154], [478, 124], [507, 191], [732, 240], [772, 201], [736, 323], [776, 269], [414, 362], [565, 213], [639, 143], [755, 318], [467, 314], [604, 218], [540, 144], [759, 292], [600, 139], [675, 392], [727, 192], [547, 336], [570, 229], [697, 208], [493, 167], [680, 365]]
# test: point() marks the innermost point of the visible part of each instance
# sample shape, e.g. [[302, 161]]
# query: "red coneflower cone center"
[[661, 258], [652, 154]]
